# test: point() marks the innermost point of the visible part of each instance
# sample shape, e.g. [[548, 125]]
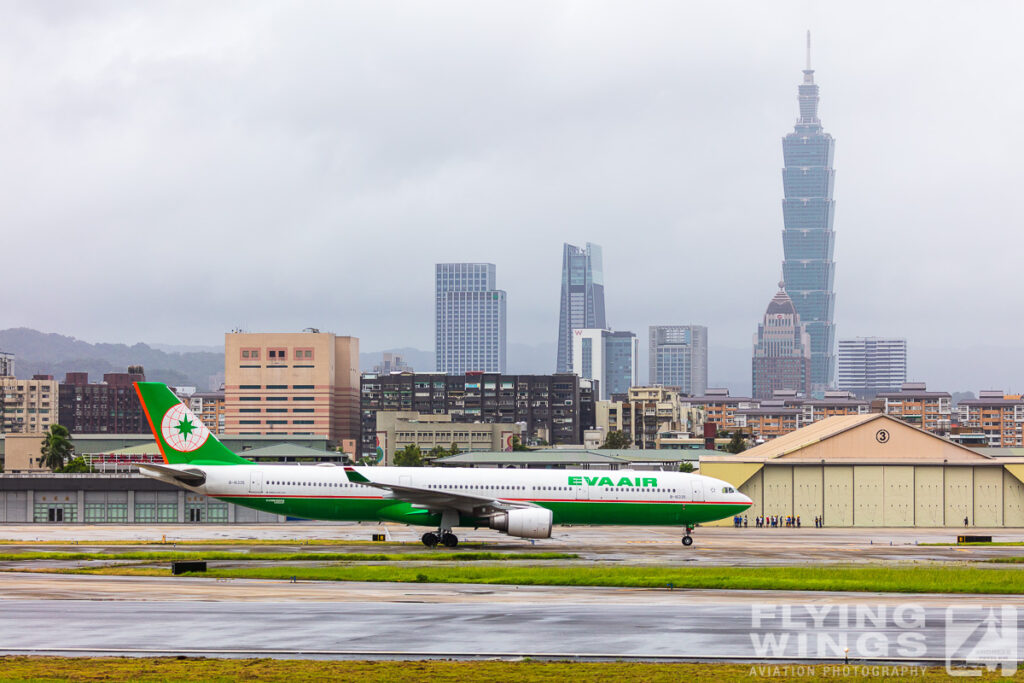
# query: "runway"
[[137, 615], [77, 614]]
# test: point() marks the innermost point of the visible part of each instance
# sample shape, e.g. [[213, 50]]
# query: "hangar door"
[[839, 495], [868, 495], [778, 490], [754, 488], [1013, 500], [929, 496], [988, 496], [959, 491], [899, 496], [808, 488]]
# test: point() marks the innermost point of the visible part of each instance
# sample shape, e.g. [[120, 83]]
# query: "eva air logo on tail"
[[182, 431]]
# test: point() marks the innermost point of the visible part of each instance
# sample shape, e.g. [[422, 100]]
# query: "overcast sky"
[[170, 171]]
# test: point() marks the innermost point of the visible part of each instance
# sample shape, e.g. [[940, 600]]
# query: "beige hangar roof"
[[872, 438]]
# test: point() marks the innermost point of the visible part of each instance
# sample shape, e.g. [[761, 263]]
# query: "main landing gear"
[[447, 539], [443, 535], [688, 539]]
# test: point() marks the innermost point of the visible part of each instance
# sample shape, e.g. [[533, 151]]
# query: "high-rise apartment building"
[[610, 358], [679, 357], [291, 383], [470, 319], [869, 365], [582, 300], [108, 407], [6, 364], [556, 408], [27, 406], [808, 240], [782, 354]]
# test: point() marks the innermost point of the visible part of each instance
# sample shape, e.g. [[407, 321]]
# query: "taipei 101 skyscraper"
[[807, 239]]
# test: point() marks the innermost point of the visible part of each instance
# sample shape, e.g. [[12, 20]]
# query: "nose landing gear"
[[687, 539]]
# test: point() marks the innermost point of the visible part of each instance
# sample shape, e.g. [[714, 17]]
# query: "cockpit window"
[[728, 489]]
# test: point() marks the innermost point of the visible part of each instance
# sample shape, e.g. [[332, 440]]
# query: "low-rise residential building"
[[642, 414], [915, 405], [770, 419], [720, 408], [998, 416], [833, 404], [27, 406], [396, 430], [645, 413]]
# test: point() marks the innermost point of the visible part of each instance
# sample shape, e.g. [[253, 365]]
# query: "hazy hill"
[[55, 354]]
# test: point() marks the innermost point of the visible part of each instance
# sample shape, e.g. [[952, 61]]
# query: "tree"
[[76, 465], [517, 445], [686, 467], [410, 456], [57, 447], [737, 444], [454, 449], [616, 439]]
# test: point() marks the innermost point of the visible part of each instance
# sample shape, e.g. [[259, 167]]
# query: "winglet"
[[355, 477]]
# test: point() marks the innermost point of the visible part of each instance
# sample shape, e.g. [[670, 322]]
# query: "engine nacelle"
[[525, 523]]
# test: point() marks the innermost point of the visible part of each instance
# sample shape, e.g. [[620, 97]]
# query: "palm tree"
[[57, 447]]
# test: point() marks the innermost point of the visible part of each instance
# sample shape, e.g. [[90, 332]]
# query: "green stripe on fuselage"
[[563, 512]]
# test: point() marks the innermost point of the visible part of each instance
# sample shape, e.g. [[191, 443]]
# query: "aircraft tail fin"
[[181, 436]]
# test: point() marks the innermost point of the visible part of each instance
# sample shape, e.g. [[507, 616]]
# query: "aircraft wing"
[[435, 500]]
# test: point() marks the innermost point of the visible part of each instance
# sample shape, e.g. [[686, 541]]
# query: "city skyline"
[[669, 148]]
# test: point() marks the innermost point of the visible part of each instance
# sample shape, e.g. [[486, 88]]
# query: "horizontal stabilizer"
[[189, 477]]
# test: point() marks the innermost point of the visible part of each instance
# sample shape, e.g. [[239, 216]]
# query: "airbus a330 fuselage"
[[524, 503]]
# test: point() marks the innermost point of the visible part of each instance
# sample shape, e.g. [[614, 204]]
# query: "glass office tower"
[[582, 300], [808, 239], [470, 319]]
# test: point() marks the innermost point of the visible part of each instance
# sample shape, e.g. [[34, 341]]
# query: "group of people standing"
[[776, 521]]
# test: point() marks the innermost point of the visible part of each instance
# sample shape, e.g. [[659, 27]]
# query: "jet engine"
[[525, 522]]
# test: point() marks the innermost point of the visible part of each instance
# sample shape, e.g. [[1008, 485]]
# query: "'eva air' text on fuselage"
[[608, 481]]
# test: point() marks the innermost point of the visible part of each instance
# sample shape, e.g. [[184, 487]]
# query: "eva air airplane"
[[523, 503]]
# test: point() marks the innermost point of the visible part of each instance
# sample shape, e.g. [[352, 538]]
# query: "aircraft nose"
[[747, 500]]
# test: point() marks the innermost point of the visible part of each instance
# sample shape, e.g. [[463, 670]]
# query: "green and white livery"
[[523, 503]]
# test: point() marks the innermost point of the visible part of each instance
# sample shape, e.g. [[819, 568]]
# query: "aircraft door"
[[583, 492], [405, 480], [696, 489], [256, 481]]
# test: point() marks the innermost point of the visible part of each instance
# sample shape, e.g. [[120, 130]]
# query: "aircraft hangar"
[[873, 471]]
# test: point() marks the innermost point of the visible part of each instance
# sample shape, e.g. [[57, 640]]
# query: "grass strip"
[[284, 670], [872, 578], [424, 556]]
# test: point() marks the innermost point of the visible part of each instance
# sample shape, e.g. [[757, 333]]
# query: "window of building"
[[276, 354], [250, 354], [302, 386], [303, 354], [249, 386]]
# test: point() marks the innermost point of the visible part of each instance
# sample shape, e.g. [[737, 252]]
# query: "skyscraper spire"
[[808, 51]]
